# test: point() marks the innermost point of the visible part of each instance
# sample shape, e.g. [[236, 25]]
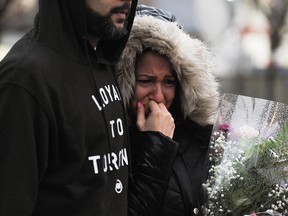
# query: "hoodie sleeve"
[[154, 155], [21, 160]]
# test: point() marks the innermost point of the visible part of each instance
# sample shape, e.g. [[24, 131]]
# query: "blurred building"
[[16, 17], [248, 37]]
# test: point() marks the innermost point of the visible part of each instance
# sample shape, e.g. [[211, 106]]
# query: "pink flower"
[[225, 127]]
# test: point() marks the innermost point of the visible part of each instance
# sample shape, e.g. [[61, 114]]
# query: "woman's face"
[[154, 80]]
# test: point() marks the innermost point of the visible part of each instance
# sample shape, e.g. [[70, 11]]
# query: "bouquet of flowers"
[[248, 159]]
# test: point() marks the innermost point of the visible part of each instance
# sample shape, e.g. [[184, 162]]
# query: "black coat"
[[196, 98], [184, 194], [151, 169]]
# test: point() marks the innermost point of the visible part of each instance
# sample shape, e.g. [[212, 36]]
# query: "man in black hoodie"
[[63, 135]]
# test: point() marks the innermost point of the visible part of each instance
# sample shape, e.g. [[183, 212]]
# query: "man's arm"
[[23, 124]]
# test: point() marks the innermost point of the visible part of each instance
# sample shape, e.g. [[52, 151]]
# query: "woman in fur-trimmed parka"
[[193, 107]]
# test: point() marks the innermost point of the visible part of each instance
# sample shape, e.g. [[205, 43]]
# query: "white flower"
[[248, 131]]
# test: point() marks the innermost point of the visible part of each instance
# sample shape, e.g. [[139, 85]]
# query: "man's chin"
[[109, 27], [119, 30]]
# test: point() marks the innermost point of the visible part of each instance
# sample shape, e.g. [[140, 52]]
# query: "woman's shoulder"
[[190, 134]]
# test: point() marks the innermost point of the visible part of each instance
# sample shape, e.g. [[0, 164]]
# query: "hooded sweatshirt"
[[63, 139], [193, 108]]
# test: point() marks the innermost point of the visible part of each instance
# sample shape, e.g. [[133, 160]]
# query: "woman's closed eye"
[[169, 82], [145, 81]]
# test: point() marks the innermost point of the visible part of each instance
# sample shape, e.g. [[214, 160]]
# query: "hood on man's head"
[[190, 58], [61, 24]]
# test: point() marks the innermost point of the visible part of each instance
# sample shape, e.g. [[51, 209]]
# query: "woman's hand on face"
[[158, 119]]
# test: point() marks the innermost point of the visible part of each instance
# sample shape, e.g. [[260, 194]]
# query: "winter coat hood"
[[190, 58], [61, 25]]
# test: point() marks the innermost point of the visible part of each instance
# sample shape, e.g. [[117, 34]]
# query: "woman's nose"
[[157, 94]]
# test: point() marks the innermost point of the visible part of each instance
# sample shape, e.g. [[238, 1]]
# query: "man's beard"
[[102, 26]]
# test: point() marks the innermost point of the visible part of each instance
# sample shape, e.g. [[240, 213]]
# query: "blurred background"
[[248, 37]]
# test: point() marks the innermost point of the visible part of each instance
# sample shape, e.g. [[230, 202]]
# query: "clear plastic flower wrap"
[[248, 159]]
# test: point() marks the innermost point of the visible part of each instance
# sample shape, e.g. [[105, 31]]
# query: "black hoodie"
[[63, 139]]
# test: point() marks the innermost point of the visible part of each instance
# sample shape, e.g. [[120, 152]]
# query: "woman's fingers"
[[159, 119]]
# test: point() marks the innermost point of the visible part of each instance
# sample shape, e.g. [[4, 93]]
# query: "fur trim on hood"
[[191, 61]]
